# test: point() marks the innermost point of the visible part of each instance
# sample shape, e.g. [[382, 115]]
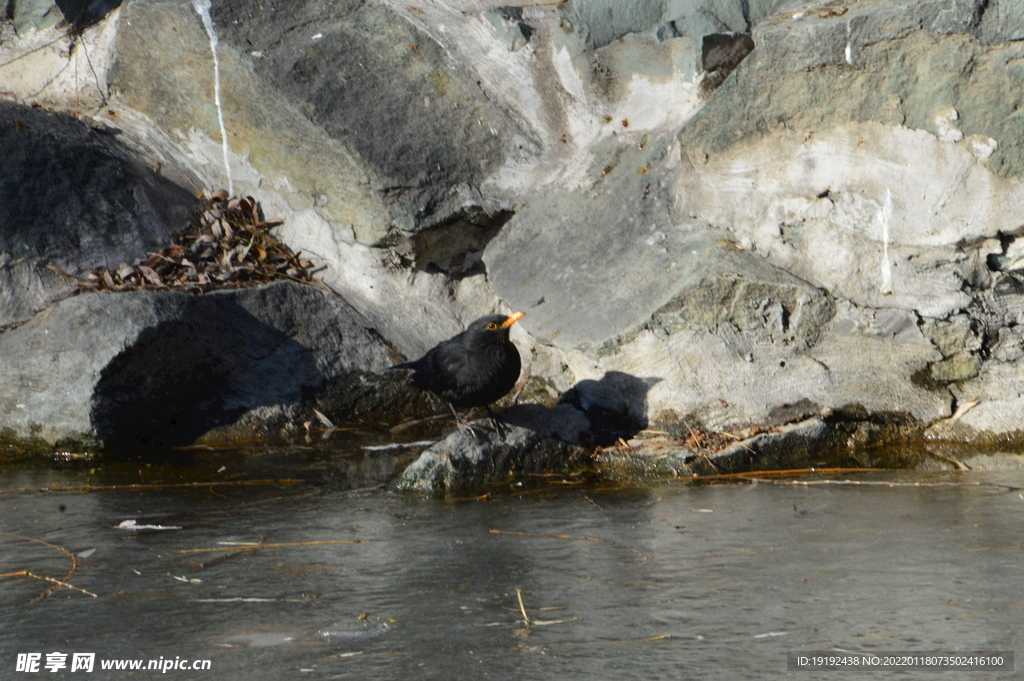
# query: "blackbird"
[[473, 369]]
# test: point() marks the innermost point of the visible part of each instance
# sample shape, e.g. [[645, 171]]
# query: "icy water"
[[669, 581]]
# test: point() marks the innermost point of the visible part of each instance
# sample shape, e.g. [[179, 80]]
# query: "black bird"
[[473, 369]]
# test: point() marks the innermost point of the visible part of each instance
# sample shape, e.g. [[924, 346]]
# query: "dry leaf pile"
[[227, 244]]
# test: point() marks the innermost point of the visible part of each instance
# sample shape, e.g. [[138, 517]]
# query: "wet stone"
[[528, 438]]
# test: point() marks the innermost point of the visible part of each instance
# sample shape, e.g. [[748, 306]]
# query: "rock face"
[[724, 213], [430, 129], [143, 371], [72, 198]]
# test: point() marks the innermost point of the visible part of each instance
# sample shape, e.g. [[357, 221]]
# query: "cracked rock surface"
[[719, 213]]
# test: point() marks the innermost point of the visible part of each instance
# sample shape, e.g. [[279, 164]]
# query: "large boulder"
[[754, 212], [849, 191], [145, 371], [73, 199]]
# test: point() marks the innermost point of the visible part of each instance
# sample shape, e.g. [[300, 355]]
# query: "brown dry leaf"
[[108, 281], [150, 275], [227, 244]]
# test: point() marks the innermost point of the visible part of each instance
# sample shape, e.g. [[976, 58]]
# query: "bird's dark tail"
[[405, 365]]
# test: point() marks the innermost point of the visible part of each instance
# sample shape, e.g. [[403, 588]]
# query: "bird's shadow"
[[591, 413]]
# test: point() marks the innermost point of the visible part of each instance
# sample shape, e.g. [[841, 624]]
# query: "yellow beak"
[[512, 319]]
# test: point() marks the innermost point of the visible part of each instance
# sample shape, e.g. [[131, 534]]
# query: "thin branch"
[[884, 483], [158, 485], [26, 573], [257, 547], [522, 608], [57, 582]]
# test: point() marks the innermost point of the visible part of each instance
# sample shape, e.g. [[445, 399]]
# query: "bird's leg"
[[499, 428], [462, 425], [518, 387]]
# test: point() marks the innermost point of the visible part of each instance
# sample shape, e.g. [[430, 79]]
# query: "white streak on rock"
[[202, 8], [883, 217], [849, 45]]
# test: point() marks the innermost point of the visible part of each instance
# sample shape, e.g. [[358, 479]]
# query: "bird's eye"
[[492, 327]]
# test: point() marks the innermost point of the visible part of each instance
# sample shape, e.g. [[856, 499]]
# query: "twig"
[[522, 608], [884, 483], [324, 420], [963, 409], [257, 547], [483, 497], [59, 582], [709, 462], [415, 422], [61, 272], [26, 573], [158, 485], [784, 473]]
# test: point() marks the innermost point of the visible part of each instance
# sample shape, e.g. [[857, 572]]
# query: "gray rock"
[[74, 199], [604, 21], [877, 49], [164, 100], [835, 227], [147, 370], [607, 20], [839, 441], [590, 264], [998, 389], [729, 288], [798, 445], [509, 25], [835, 441], [1002, 21], [534, 439], [671, 276], [423, 128], [953, 335], [32, 14], [1008, 299]]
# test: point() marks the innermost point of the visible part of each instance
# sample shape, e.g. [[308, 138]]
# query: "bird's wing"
[[450, 362]]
